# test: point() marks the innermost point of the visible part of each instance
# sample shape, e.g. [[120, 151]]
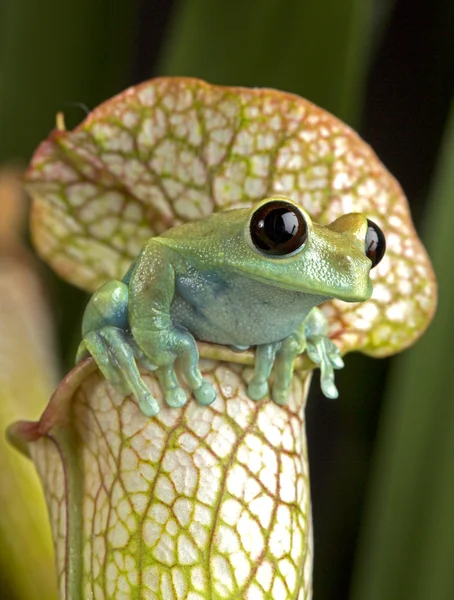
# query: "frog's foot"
[[140, 355], [113, 355], [163, 349], [290, 348], [174, 394], [311, 335], [264, 359], [323, 352]]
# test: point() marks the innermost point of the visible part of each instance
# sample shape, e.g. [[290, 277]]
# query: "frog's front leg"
[[112, 353], [264, 360], [104, 330], [151, 289], [312, 336]]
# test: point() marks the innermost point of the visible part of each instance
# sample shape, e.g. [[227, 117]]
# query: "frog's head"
[[285, 248]]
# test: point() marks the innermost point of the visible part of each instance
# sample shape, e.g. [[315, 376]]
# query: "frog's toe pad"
[[176, 397], [280, 395], [329, 389], [205, 394], [257, 390], [336, 361], [148, 405]]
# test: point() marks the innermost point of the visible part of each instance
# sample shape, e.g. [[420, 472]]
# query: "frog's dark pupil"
[[278, 228], [375, 243], [280, 225]]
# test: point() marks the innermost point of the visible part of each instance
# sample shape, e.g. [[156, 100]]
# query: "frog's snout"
[[353, 224], [354, 284], [365, 231]]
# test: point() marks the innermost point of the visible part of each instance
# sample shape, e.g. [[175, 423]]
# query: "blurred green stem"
[[407, 546], [276, 44], [59, 56], [53, 54]]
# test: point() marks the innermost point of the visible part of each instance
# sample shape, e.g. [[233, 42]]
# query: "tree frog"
[[243, 277]]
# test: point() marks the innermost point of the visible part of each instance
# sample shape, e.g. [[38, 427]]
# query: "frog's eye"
[[278, 228], [375, 243]]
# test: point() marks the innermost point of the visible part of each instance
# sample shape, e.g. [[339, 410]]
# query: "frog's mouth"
[[358, 292]]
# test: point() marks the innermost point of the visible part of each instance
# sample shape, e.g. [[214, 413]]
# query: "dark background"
[[381, 457]]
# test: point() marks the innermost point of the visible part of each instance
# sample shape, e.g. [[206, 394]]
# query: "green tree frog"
[[243, 277]]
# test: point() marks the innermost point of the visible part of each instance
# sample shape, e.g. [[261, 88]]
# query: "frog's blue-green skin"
[[206, 280]]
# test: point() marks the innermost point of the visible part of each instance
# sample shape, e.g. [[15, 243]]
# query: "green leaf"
[[407, 548], [55, 54]]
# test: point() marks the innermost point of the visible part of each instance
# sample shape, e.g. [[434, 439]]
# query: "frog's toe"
[[328, 388], [174, 394], [122, 387], [280, 395], [148, 404], [257, 389], [205, 394], [175, 397], [336, 361], [96, 345]]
